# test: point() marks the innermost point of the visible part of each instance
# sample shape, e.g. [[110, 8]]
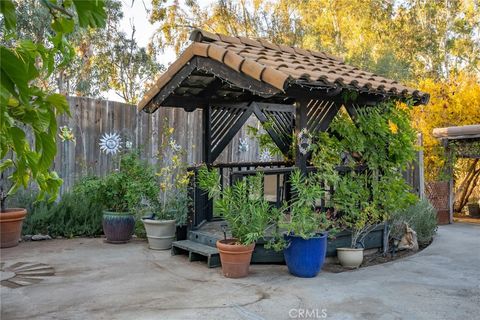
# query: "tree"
[[404, 40], [126, 68], [26, 107], [277, 21], [453, 102], [97, 54]]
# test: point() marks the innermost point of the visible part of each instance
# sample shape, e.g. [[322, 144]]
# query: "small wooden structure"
[[462, 137], [290, 90]]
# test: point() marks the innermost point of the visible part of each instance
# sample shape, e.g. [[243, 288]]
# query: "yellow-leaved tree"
[[453, 102]]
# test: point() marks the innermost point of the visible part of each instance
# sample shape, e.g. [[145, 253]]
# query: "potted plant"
[[11, 220], [168, 218], [122, 193], [351, 199], [29, 112], [304, 228], [247, 213]]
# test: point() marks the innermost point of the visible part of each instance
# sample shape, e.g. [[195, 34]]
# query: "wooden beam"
[[236, 78], [173, 84], [298, 92], [300, 124], [276, 107], [207, 136]]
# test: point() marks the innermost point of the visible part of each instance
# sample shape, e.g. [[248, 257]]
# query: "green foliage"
[[124, 189], [380, 138], [402, 40], [125, 67], [78, 213], [264, 140], [420, 216], [300, 216], [173, 178], [242, 205], [24, 106], [360, 213]]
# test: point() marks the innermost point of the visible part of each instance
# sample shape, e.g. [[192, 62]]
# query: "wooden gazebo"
[[457, 142], [291, 89]]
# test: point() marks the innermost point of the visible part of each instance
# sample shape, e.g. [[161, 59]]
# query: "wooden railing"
[[275, 185], [202, 209]]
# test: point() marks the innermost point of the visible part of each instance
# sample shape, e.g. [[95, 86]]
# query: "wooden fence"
[[92, 118]]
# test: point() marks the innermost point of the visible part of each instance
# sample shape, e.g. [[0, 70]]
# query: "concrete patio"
[[95, 280]]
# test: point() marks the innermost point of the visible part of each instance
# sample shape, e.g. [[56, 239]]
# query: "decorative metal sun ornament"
[[304, 141], [266, 155], [110, 143]]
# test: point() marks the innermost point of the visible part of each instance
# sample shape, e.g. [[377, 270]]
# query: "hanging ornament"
[[66, 134], [110, 143], [242, 145], [304, 141]]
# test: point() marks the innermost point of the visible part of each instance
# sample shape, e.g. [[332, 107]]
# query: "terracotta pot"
[[235, 258], [11, 221], [350, 257], [118, 227]]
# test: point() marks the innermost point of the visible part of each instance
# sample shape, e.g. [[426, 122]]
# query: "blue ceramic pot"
[[118, 227], [305, 257]]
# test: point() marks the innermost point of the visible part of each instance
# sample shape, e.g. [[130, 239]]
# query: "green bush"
[[125, 189], [421, 217], [78, 213]]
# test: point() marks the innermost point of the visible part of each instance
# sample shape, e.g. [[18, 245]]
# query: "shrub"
[[78, 213], [421, 217], [125, 189]]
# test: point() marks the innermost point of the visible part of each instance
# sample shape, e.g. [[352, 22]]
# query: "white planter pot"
[[350, 257], [160, 233]]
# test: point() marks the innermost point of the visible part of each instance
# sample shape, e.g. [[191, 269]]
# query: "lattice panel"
[[223, 118], [320, 113], [281, 123]]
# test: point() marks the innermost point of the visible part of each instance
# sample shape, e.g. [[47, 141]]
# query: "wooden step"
[[197, 252], [206, 238]]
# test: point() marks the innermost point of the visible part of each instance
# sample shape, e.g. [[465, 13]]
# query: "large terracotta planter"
[[160, 233], [118, 227], [11, 221], [235, 258], [350, 257]]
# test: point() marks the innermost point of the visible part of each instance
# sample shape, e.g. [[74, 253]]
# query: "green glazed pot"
[[118, 227]]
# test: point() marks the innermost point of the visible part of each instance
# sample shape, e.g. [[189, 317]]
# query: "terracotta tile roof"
[[281, 66]]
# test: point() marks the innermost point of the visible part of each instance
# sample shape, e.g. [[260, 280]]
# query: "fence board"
[[92, 118]]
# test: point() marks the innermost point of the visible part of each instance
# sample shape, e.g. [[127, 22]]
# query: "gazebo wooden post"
[[207, 135], [300, 124], [449, 171], [205, 203]]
